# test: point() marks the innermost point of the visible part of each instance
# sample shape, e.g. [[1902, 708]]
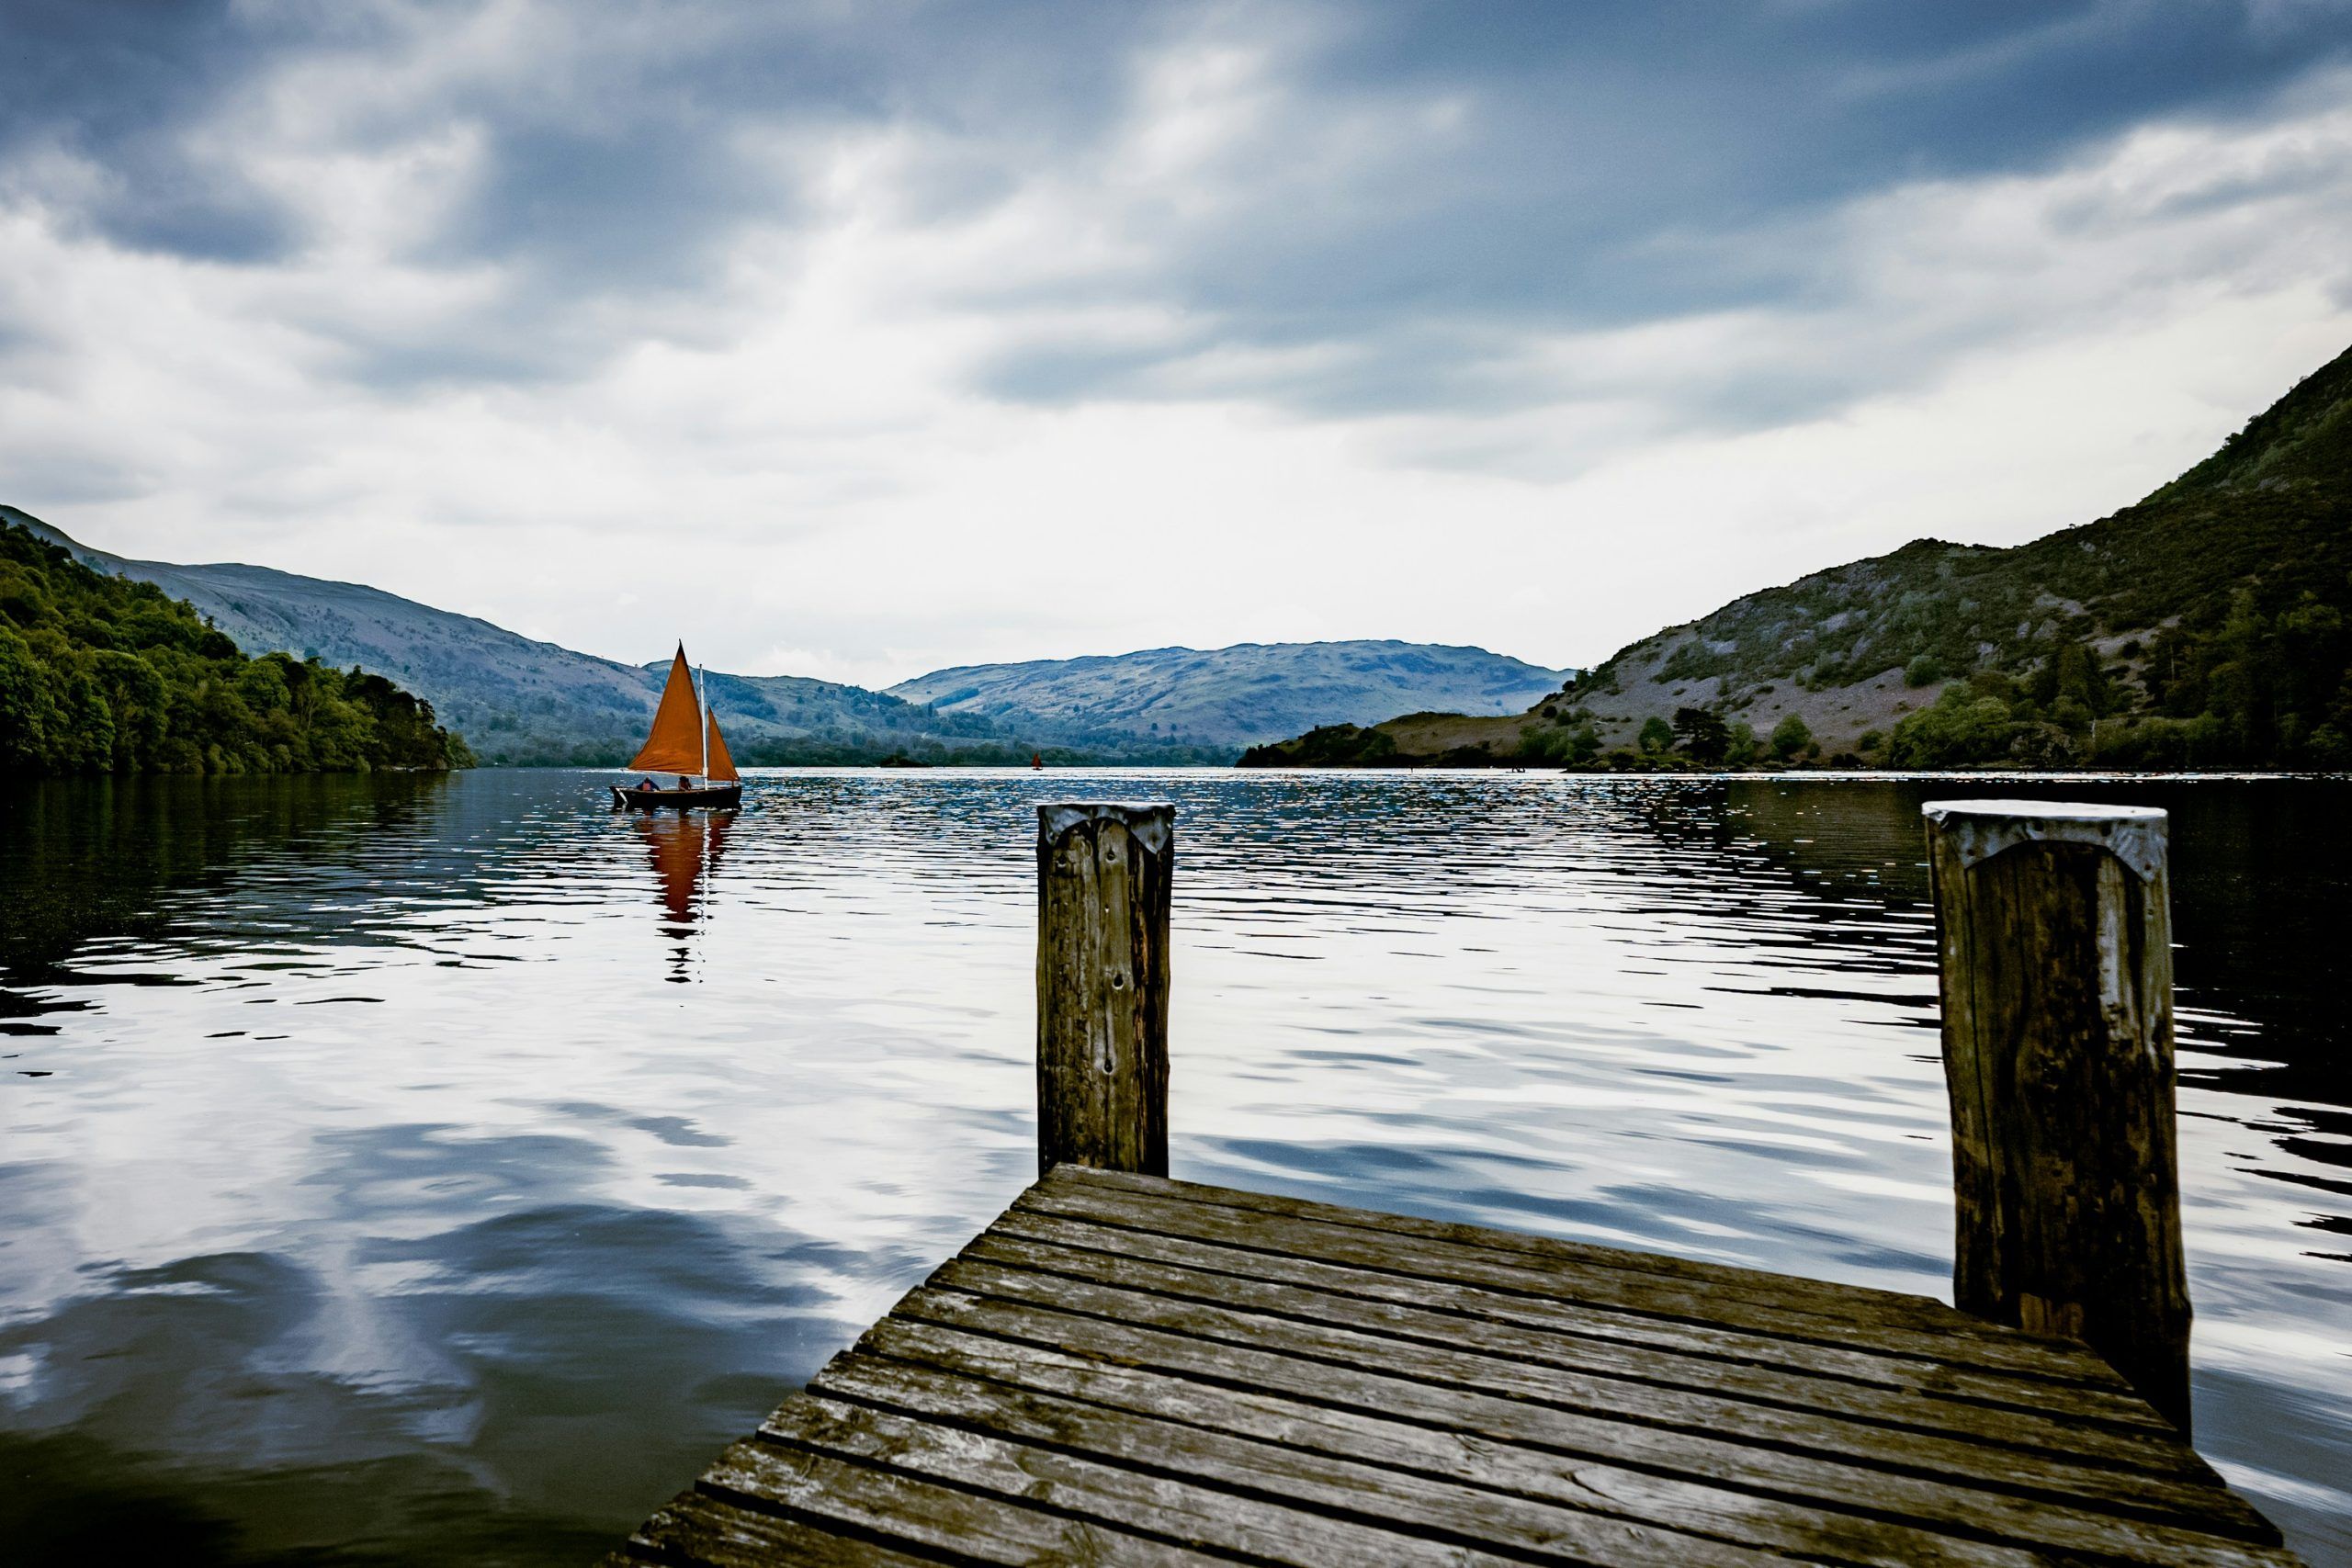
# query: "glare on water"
[[450, 1166]]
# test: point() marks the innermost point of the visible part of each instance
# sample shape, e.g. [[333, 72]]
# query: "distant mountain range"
[[518, 700], [1235, 696], [2208, 625]]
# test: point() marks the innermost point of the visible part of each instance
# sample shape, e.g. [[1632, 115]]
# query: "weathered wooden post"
[[1103, 898], [2055, 930]]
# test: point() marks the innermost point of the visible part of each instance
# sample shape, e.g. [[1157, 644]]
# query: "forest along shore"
[[104, 674]]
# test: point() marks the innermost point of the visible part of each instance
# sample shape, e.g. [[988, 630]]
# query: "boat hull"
[[682, 799]]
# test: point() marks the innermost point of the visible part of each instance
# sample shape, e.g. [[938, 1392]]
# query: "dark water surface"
[[408, 1170]]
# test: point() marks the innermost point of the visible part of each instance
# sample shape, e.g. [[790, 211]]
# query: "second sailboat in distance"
[[686, 744]]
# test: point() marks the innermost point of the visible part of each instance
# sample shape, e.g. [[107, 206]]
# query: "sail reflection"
[[685, 847]]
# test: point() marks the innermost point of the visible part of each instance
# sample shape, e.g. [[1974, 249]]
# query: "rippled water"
[[445, 1168]]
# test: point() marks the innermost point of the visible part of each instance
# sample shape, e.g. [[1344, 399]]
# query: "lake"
[[446, 1167]]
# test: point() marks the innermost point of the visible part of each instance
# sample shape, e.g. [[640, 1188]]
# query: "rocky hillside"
[[2204, 627], [1236, 696]]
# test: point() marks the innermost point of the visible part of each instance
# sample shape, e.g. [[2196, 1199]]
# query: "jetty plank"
[[697, 1529], [1089, 1488], [1823, 1295], [1759, 1307], [1670, 1505], [1570, 1339], [1475, 1415], [1126, 1369], [1570, 1321], [2167, 1481], [1217, 1452]]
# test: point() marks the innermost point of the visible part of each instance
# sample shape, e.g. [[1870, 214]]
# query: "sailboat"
[[686, 743]]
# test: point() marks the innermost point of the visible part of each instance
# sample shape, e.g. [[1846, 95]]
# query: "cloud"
[[1398, 183], [857, 338]]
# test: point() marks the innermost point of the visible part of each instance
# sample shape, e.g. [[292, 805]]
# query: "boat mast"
[[702, 716]]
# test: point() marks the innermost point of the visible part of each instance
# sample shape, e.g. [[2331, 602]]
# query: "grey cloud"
[[629, 170], [1606, 165], [1624, 165], [115, 84]]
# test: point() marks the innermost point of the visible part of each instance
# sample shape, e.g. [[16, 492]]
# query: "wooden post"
[[1102, 897], [2055, 930]]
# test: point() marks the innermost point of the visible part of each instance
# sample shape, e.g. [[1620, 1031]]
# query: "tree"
[[1739, 751], [2328, 749], [1656, 735], [28, 710], [1791, 737], [1960, 726], [2073, 673], [1559, 743], [1700, 735], [1327, 746]]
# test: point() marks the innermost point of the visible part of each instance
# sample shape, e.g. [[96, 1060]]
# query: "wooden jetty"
[[1124, 1369]]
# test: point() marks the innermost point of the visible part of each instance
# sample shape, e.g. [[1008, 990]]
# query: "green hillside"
[[106, 674], [2203, 627]]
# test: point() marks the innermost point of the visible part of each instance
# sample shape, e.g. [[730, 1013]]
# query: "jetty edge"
[[1127, 1368]]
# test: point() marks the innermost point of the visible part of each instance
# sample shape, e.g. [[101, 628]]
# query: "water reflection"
[[684, 847], [368, 1185]]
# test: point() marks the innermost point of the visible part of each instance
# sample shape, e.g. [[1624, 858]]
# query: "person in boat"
[[645, 783], [683, 784]]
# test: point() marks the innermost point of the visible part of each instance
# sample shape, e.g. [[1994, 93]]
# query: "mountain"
[[517, 700], [1235, 696], [2204, 627], [102, 673]]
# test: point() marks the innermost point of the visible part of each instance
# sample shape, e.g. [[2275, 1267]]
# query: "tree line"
[[1695, 737], [102, 674]]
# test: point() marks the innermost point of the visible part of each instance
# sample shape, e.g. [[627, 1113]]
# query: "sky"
[[858, 339]]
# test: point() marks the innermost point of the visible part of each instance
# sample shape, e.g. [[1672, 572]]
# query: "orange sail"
[[722, 766], [675, 744]]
